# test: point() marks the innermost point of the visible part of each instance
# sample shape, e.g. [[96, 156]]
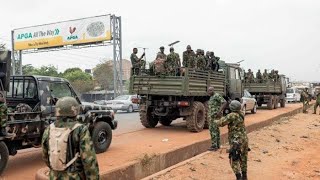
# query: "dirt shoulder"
[[288, 149]]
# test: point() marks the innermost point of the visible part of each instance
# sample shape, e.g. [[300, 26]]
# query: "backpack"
[[58, 143]]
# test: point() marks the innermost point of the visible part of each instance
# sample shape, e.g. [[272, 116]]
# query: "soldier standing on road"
[[137, 63], [200, 60], [305, 100], [238, 140], [259, 76], [3, 115], [317, 103], [188, 58], [265, 76], [173, 63], [216, 106], [161, 54], [67, 148]]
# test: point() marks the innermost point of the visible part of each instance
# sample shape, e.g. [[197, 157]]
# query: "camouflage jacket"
[[86, 166], [304, 96], [134, 61], [188, 59], [318, 98], [3, 115], [215, 103], [201, 62], [236, 127], [161, 55], [259, 75], [173, 61]]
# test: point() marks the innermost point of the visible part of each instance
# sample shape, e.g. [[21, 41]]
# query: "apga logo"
[[72, 30]]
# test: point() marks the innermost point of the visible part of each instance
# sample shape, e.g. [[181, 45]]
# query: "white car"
[[293, 95], [127, 103], [249, 103]]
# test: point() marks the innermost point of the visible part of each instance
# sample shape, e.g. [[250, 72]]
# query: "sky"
[[267, 34]]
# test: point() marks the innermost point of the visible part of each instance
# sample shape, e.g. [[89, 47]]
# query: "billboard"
[[80, 31]]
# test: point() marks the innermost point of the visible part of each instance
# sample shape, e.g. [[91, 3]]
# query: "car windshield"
[[122, 98], [289, 90]]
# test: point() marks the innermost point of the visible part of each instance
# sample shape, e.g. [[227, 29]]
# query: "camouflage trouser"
[[240, 165], [316, 106], [305, 106], [214, 132], [3, 115], [136, 71]]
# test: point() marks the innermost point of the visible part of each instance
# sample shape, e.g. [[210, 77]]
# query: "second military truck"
[[164, 99]]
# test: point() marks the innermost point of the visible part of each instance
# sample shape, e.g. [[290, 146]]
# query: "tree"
[[103, 74], [49, 70], [28, 69], [80, 80]]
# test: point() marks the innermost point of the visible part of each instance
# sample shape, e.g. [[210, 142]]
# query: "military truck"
[[31, 104], [270, 93], [164, 99]]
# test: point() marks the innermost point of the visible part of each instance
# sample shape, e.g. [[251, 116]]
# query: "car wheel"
[[254, 110], [101, 136], [130, 109], [244, 110]]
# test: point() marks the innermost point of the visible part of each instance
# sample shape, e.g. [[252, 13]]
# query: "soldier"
[[136, 62], [305, 100], [188, 58], [216, 106], [271, 75], [173, 63], [238, 140], [3, 115], [276, 76], [265, 76], [67, 148], [317, 104], [259, 76], [250, 76], [161, 54], [200, 60], [208, 60], [215, 62]]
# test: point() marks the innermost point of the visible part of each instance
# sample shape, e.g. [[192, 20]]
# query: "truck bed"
[[192, 83], [271, 88]]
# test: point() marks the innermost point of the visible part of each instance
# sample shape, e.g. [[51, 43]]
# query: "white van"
[[293, 94]]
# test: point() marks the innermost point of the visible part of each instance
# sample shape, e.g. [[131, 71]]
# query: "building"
[[126, 69]]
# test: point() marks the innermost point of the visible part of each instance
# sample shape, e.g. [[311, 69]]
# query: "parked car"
[[127, 103], [293, 95], [249, 103]]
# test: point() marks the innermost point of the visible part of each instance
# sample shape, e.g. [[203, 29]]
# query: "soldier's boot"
[[244, 175], [213, 148], [238, 176]]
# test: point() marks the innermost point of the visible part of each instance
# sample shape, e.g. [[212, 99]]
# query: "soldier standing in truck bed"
[[200, 60], [188, 58], [250, 76], [265, 76], [161, 54], [136, 62], [259, 76], [173, 63]]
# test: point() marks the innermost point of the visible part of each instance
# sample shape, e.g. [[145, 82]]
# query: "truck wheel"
[[165, 122], [283, 103], [276, 103], [4, 156], [147, 120], [101, 136], [196, 121], [270, 103], [254, 110], [206, 108]]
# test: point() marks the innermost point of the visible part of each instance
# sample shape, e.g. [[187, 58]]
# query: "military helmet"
[[161, 47], [235, 106], [67, 107], [188, 47], [171, 48]]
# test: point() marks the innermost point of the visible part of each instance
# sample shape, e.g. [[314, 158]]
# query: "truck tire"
[[276, 103], [270, 103], [101, 136], [196, 121], [165, 122], [206, 108], [283, 103], [4, 156], [147, 120]]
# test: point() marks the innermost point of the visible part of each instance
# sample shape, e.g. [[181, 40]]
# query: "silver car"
[[127, 103], [249, 103]]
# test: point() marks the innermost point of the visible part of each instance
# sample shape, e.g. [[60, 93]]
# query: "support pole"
[[13, 62]]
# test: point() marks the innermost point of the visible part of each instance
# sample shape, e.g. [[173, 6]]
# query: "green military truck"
[[31, 104], [164, 99], [270, 93]]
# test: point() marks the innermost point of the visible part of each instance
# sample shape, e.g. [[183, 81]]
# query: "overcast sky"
[[272, 34]]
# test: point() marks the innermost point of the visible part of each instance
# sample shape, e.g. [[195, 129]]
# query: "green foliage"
[[103, 74], [28, 69], [49, 70]]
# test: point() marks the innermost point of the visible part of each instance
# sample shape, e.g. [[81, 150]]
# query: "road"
[[131, 140]]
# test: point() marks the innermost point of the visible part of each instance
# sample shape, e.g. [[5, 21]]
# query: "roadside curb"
[[153, 165]]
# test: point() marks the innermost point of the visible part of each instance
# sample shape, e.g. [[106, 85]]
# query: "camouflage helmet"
[[235, 106], [162, 47], [188, 47], [67, 107]]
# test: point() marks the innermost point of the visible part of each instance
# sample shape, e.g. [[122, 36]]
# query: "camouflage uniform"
[[172, 63], [259, 77], [215, 103], [271, 75], [86, 165], [250, 77], [136, 65], [276, 76], [161, 55], [238, 140], [305, 100], [188, 59], [265, 76], [317, 103], [201, 61], [3, 115]]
